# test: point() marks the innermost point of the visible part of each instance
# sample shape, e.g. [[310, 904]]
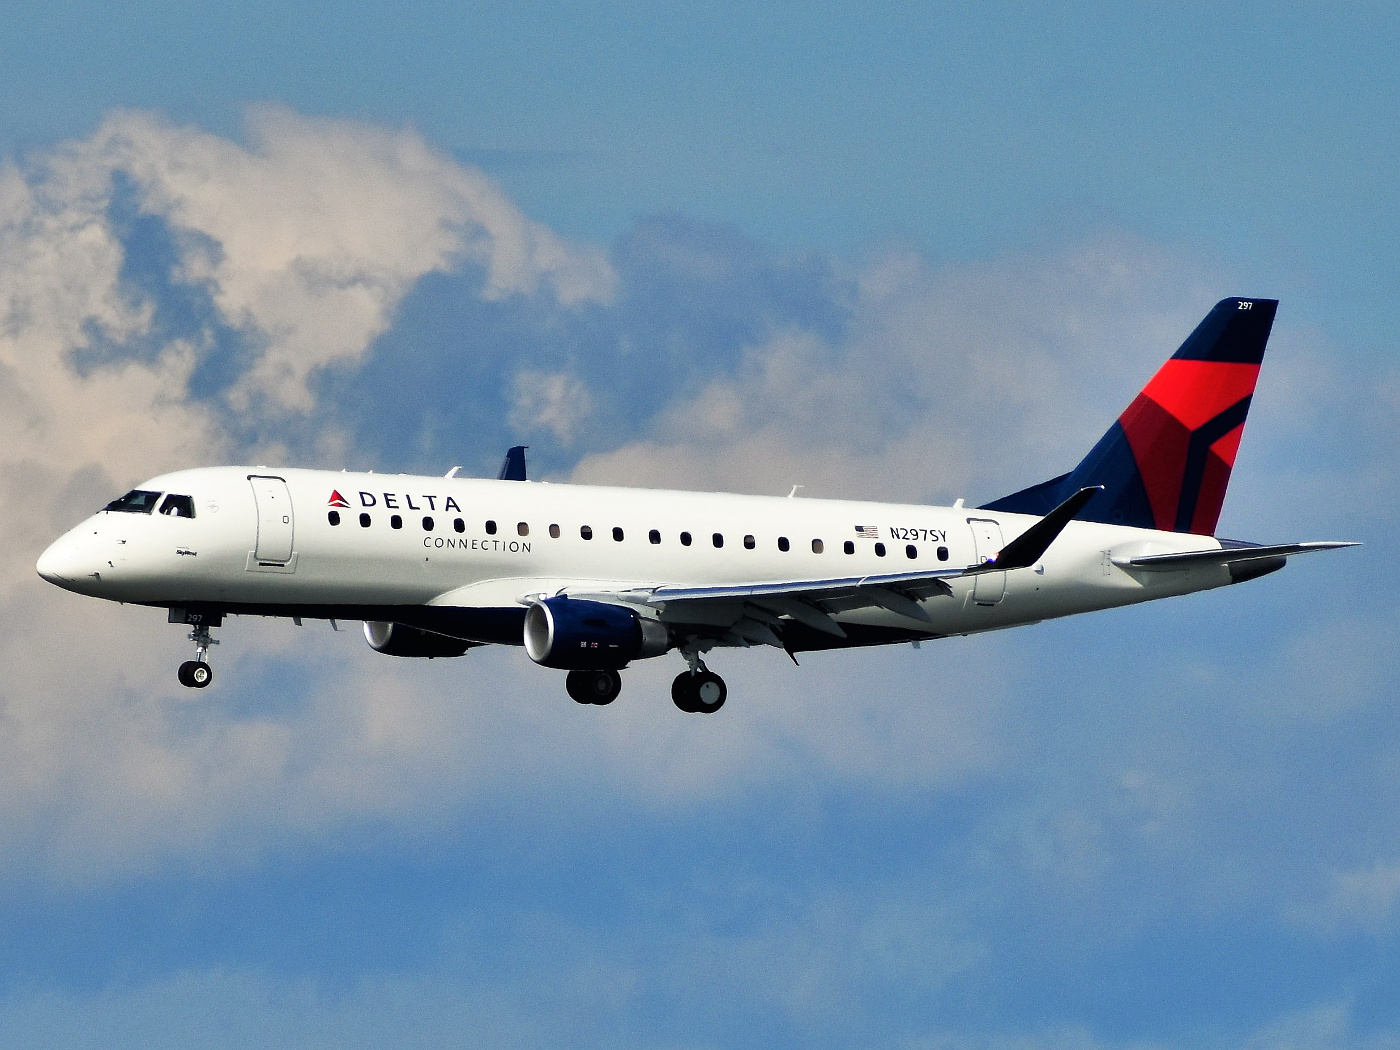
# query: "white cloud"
[[1359, 900], [957, 381], [64, 432], [1327, 1026], [553, 401], [583, 990], [313, 232]]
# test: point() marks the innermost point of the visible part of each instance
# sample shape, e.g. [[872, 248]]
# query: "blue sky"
[[901, 253]]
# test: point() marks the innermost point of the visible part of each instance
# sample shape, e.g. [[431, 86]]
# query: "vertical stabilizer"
[[1166, 462]]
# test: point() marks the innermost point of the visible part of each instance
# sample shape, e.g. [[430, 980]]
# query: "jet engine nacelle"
[[579, 635], [397, 639]]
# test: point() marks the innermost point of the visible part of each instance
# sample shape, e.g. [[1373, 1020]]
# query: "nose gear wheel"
[[196, 673]]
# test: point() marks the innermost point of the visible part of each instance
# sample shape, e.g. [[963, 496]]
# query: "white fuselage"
[[490, 547]]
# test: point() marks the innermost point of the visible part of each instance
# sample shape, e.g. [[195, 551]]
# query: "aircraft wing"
[[809, 602], [752, 610]]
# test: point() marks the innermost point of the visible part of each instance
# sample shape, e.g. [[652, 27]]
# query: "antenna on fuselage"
[[452, 473], [794, 490]]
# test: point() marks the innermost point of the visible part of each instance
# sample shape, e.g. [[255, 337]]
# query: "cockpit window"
[[137, 501], [178, 506]]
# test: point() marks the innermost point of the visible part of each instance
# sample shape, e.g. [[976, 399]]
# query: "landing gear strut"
[[698, 691], [594, 687], [196, 673]]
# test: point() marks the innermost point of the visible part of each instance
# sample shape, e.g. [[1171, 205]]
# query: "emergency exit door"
[[989, 587]]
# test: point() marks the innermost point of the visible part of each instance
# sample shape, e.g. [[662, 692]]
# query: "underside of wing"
[[795, 615]]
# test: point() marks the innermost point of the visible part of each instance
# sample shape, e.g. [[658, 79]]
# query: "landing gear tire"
[[594, 687], [195, 674], [702, 693]]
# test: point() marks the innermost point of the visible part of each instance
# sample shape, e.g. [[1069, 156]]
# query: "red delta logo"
[[337, 500]]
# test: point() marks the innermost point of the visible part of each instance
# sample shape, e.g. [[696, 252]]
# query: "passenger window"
[[333, 517], [818, 546], [523, 529], [364, 521], [178, 506], [911, 552], [554, 532], [617, 534], [427, 524], [748, 543], [879, 550], [137, 501], [458, 525], [654, 536], [942, 553], [783, 543], [586, 531], [490, 528], [685, 539], [717, 539], [395, 522], [848, 547]]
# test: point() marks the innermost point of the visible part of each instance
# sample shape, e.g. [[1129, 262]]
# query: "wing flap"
[[799, 589]]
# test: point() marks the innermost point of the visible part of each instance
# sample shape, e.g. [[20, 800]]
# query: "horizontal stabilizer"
[[1026, 549], [1224, 556]]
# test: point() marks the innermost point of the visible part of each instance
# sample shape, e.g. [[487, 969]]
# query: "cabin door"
[[275, 521]]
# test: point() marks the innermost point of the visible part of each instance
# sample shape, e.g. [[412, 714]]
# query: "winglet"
[[1026, 549], [513, 467]]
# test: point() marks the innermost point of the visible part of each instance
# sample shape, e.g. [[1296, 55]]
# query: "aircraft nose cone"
[[61, 564], [49, 563]]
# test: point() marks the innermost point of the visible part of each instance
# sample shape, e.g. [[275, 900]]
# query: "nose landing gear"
[[196, 673]]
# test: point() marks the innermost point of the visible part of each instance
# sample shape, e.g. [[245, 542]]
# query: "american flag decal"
[[868, 532]]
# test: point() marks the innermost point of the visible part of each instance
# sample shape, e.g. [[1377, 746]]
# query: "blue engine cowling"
[[579, 635], [397, 639]]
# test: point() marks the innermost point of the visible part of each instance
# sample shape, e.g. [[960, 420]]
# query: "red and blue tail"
[[1166, 461]]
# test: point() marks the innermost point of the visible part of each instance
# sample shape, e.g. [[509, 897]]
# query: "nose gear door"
[[275, 520], [988, 588]]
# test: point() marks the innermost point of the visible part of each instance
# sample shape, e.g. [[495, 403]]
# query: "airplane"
[[589, 579]]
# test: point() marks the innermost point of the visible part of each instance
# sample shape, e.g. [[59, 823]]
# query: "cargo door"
[[988, 588], [275, 521]]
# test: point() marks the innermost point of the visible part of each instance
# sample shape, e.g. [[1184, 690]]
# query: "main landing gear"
[[196, 673], [698, 691], [594, 687]]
